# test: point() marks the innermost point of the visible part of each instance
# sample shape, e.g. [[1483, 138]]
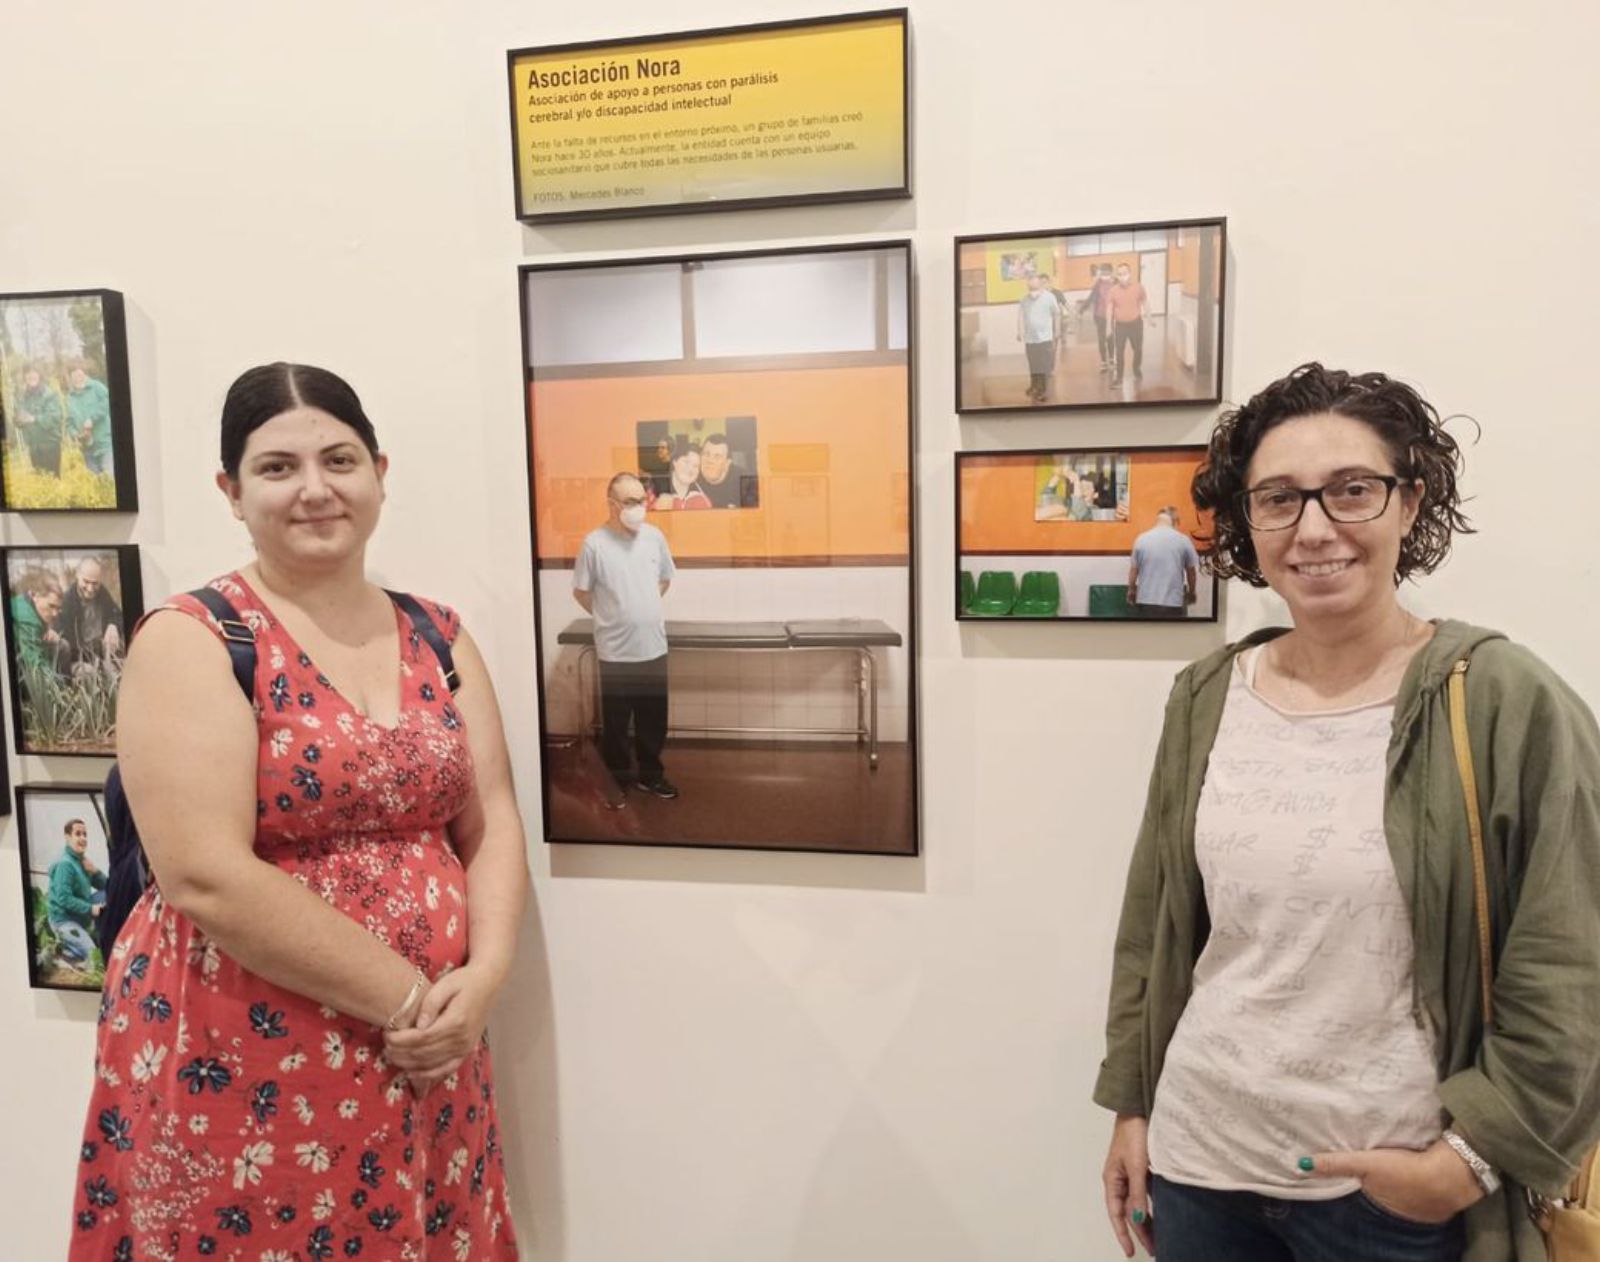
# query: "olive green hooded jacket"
[[1527, 1096]]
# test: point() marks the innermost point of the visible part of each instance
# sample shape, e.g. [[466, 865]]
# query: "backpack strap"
[[428, 629], [237, 637]]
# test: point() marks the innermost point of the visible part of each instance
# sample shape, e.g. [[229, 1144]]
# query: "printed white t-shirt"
[[1298, 1037]]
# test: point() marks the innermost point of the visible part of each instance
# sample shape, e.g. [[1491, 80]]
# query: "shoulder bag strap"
[[428, 629], [237, 637], [1480, 869]]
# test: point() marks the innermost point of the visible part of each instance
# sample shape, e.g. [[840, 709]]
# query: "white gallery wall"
[[714, 1057]]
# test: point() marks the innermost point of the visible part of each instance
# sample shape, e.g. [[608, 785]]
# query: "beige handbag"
[[1571, 1224]]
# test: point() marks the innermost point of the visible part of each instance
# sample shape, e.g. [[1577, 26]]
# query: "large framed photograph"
[[774, 114], [62, 840], [68, 612], [1116, 316], [1069, 534], [64, 400], [720, 456]]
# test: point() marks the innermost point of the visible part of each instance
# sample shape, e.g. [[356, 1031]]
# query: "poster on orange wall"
[[721, 517], [1115, 316], [772, 114], [1063, 535]]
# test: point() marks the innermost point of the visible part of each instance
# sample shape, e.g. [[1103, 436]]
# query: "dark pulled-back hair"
[[1408, 425], [264, 392]]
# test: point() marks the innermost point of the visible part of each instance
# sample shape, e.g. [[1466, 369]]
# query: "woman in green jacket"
[[1295, 1051]]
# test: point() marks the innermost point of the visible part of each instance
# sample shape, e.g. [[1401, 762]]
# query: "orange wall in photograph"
[[998, 501], [831, 453]]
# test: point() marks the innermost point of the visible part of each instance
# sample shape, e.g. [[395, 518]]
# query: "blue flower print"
[[303, 658], [312, 753], [369, 1171], [319, 1244], [286, 1213], [203, 1072], [206, 1245], [261, 809], [86, 1219], [426, 692], [124, 1250], [307, 781], [264, 1101], [99, 1193], [441, 1124], [325, 681], [352, 1247], [234, 1218], [155, 1007], [278, 691], [358, 1198], [384, 1219], [284, 801], [138, 966], [268, 1024], [307, 700], [477, 1175], [115, 1128], [89, 1151], [452, 720], [440, 1218]]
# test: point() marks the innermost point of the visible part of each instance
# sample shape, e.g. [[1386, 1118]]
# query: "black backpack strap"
[[237, 637], [428, 629]]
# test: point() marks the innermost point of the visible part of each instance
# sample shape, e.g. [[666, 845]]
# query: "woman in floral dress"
[[290, 1062]]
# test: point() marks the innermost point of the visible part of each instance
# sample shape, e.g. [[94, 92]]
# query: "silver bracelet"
[[1482, 1171], [418, 987]]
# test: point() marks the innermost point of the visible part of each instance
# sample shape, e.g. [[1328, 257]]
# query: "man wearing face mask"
[[622, 572]]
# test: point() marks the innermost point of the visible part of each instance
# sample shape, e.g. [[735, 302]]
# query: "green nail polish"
[[1138, 1217], [1307, 1164]]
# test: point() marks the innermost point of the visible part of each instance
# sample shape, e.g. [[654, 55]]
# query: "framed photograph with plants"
[[62, 840], [64, 399], [68, 612]]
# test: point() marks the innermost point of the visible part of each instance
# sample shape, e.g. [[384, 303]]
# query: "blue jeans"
[[1201, 1225], [76, 944]]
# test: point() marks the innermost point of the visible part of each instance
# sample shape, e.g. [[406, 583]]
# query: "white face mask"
[[633, 516]]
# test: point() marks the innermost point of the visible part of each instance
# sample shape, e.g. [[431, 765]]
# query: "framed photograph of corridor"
[[1089, 533], [722, 512], [1116, 316]]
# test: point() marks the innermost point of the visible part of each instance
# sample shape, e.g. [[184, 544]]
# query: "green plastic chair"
[[997, 592], [1110, 600], [1040, 596], [969, 589]]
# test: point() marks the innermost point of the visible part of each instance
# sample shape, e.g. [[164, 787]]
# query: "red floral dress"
[[234, 1119]]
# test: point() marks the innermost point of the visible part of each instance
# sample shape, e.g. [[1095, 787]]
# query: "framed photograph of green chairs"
[[1081, 534]]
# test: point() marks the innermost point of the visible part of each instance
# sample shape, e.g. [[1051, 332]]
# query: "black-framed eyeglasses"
[[1354, 498]]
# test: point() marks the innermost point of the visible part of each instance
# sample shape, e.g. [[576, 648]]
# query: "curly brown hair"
[[1408, 425]]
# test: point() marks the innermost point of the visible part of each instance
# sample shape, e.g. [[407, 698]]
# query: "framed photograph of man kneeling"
[[65, 855], [68, 614], [1087, 533], [1125, 315], [720, 456]]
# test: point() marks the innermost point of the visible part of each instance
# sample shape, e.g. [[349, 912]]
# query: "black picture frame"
[[901, 190], [1074, 384], [47, 970], [812, 636], [66, 333], [79, 684], [1102, 606]]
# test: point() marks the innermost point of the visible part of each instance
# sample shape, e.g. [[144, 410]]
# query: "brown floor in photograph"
[[1003, 381], [781, 795]]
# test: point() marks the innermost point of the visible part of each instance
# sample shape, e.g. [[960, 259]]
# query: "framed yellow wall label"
[[775, 114]]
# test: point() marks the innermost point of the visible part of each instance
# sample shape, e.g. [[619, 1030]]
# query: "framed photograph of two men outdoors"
[[64, 400], [1125, 315], [720, 457], [781, 113]]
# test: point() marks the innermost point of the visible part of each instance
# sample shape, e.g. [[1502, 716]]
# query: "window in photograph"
[[1097, 533], [62, 841], [723, 543], [68, 441], [1095, 317], [68, 612]]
